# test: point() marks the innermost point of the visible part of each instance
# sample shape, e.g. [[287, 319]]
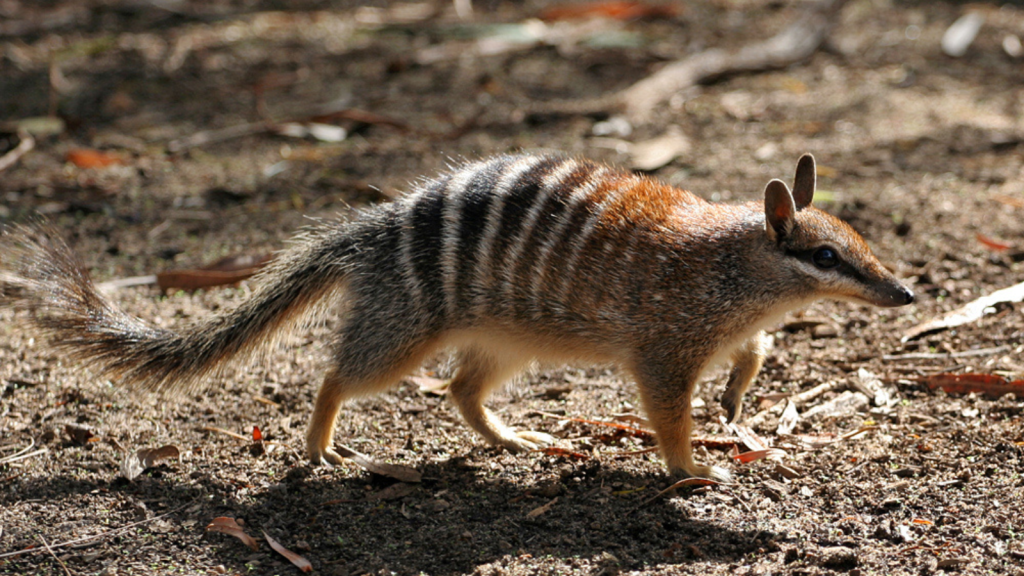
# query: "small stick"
[[16, 458], [220, 135], [26, 143], [50, 550], [946, 355], [796, 399]]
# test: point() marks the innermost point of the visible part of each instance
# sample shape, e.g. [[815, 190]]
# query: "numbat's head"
[[822, 253]]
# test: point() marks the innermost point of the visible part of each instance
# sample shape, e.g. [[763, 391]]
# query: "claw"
[[715, 473], [527, 440]]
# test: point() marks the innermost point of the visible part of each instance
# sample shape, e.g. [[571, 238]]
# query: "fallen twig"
[[945, 355], [686, 482], [797, 399], [11, 459], [794, 44], [210, 136], [638, 432], [50, 550], [26, 142]]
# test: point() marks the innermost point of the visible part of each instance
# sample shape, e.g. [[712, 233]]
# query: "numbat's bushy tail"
[[507, 260], [39, 272]]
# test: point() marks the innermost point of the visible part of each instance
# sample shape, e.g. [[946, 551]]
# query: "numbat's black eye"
[[825, 258]]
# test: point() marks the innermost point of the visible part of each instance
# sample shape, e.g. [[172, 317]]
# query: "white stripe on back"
[[492, 226], [551, 184], [451, 216], [584, 236], [578, 197]]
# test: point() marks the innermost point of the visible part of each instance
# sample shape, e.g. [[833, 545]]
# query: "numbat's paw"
[[527, 440], [709, 472], [325, 457]]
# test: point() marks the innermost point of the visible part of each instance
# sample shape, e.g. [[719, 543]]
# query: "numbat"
[[507, 260]]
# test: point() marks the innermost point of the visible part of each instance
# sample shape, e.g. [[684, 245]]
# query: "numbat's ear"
[[779, 210], [805, 181]]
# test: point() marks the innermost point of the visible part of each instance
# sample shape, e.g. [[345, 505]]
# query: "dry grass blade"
[[225, 432], [637, 432], [229, 526], [299, 562], [684, 483], [24, 453], [55, 557], [967, 313]]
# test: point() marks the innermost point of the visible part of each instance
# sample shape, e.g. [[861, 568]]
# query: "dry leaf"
[[226, 271], [541, 509], [632, 419], [80, 434], [789, 419], [846, 403], [614, 9], [429, 385], [755, 455], [229, 526], [300, 562], [89, 158], [150, 456], [961, 34], [131, 466], [990, 385], [657, 152], [745, 434], [398, 472], [137, 462], [969, 312]]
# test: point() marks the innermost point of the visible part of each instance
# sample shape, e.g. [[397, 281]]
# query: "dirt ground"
[[921, 152]]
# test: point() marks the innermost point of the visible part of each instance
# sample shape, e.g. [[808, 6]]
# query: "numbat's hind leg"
[[479, 374], [368, 360]]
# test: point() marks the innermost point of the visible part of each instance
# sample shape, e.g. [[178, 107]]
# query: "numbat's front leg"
[[747, 361], [666, 392]]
